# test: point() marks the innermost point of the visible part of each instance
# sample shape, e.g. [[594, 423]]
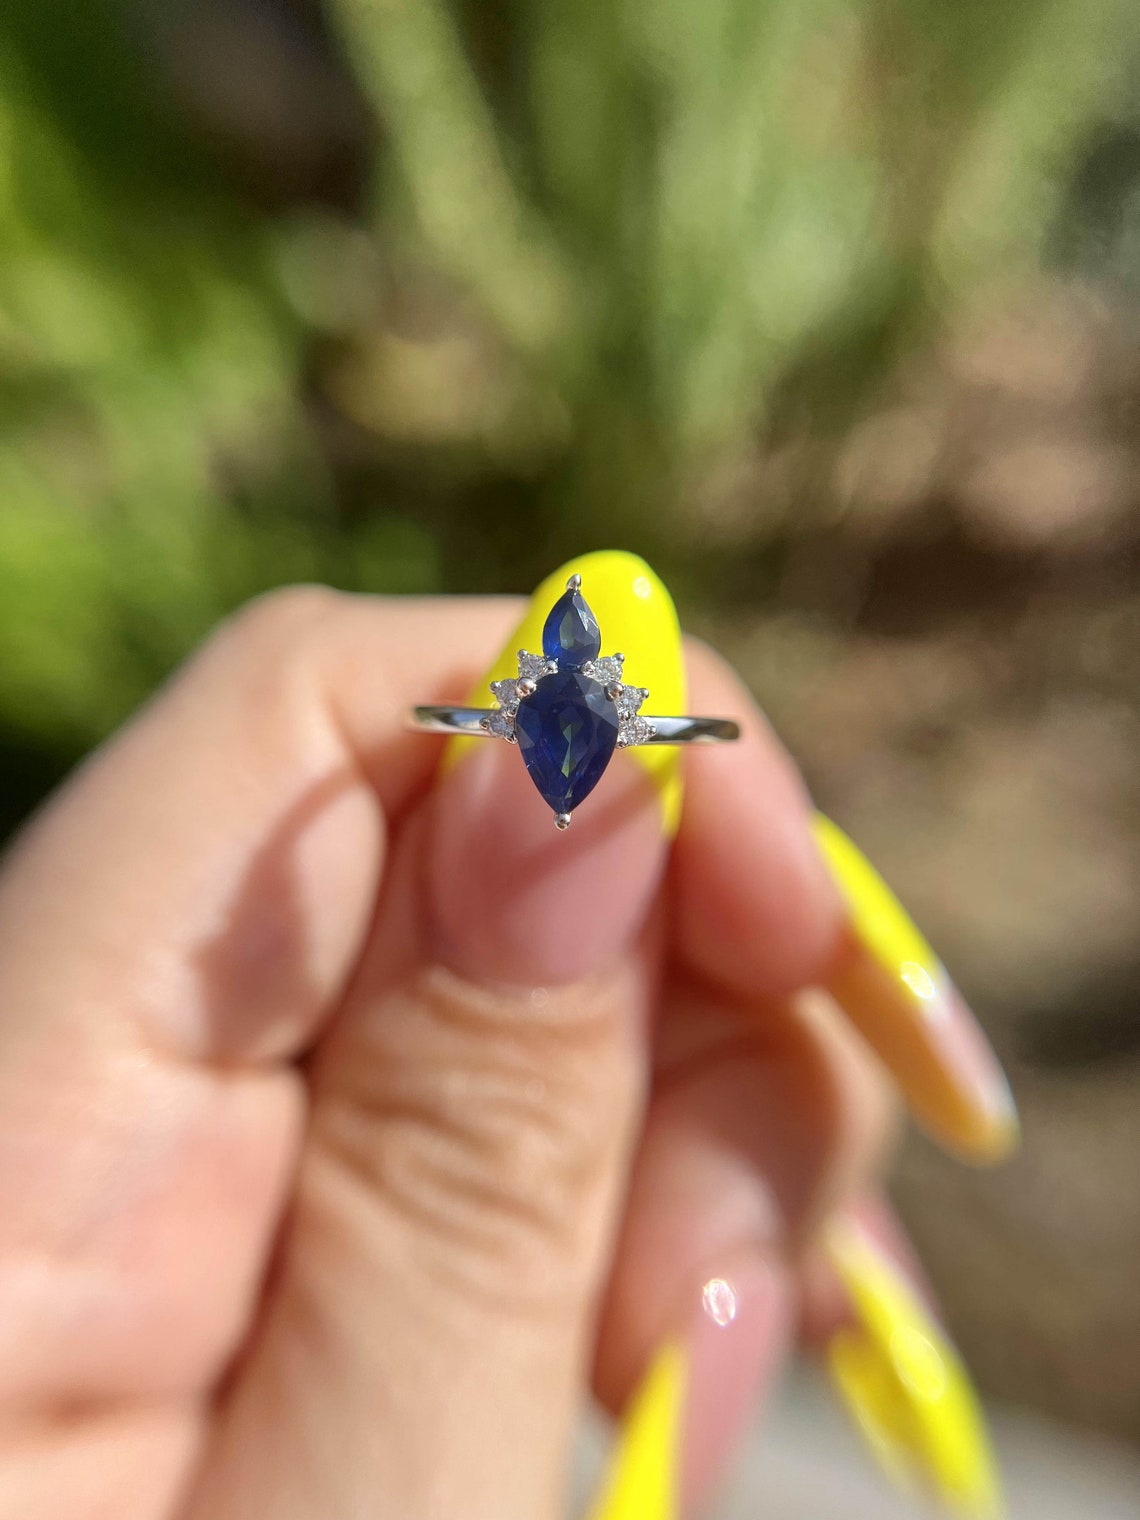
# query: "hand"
[[349, 1114]]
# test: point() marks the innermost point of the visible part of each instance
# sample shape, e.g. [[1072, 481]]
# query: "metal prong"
[[571, 585], [614, 690], [620, 658], [562, 820], [525, 686], [485, 721]]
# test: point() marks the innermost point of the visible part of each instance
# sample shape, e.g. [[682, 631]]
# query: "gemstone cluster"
[[568, 708]]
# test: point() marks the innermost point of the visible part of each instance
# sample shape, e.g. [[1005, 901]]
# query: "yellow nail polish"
[[637, 617], [897, 993], [877, 916], [643, 1479], [906, 1386]]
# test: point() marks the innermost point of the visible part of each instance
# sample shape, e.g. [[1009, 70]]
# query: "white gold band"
[[476, 721]]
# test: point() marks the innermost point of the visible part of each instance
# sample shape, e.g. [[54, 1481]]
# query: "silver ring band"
[[444, 719]]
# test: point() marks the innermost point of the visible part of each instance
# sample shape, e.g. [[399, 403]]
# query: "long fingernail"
[[687, 1416], [643, 1478], [906, 1386], [737, 1340], [517, 900], [896, 992]]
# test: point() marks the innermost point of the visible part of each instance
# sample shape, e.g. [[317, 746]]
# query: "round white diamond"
[[501, 724], [634, 730], [535, 666], [506, 694], [605, 670]]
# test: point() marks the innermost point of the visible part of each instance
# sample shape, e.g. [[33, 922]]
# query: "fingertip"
[[515, 900]]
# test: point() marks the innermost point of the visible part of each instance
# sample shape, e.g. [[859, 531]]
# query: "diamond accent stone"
[[501, 725], [535, 666], [634, 730], [506, 694], [631, 699], [605, 669]]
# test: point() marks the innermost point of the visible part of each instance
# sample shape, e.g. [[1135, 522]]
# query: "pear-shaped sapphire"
[[567, 731], [570, 634]]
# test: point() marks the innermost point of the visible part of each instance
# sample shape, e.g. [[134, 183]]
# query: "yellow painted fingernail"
[[643, 1478], [906, 1386], [896, 992], [637, 618]]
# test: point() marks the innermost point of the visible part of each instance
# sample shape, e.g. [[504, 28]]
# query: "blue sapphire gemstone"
[[570, 634], [566, 731]]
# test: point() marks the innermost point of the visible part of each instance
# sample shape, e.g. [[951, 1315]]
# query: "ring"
[[569, 708]]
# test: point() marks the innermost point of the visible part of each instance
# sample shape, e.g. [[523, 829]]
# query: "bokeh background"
[[829, 307]]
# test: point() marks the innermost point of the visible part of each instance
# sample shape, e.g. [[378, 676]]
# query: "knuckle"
[[278, 619], [267, 650], [492, 1130]]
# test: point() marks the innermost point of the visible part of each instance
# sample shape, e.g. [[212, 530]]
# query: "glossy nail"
[[896, 991], [517, 900], [737, 1340], [905, 1385]]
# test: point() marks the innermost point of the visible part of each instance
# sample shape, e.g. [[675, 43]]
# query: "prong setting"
[[607, 668], [562, 821], [535, 666], [632, 727], [509, 693]]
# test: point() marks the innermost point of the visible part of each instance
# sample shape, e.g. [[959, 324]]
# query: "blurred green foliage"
[[602, 246]]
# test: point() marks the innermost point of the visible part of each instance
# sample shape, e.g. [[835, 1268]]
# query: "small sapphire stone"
[[566, 731], [570, 634]]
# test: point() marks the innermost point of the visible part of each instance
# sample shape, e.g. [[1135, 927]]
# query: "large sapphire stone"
[[566, 731], [570, 634]]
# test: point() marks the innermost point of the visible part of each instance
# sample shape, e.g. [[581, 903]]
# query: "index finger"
[[239, 887]]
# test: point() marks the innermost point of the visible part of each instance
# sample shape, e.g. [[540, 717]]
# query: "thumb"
[[474, 1110]]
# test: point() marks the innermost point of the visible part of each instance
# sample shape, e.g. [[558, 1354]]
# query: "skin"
[[312, 1206]]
